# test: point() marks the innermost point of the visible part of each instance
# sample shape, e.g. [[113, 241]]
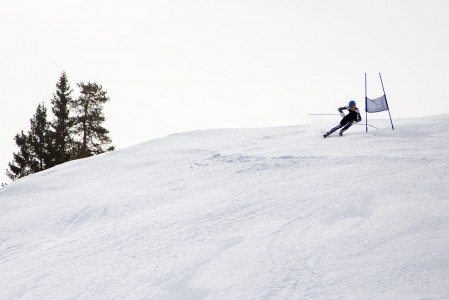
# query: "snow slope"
[[270, 213]]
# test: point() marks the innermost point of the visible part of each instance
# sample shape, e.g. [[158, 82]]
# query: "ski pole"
[[338, 115], [323, 114], [368, 125]]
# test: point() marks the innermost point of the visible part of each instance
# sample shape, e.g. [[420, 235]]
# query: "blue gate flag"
[[376, 105]]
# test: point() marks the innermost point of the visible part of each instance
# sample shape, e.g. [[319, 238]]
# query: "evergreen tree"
[[21, 164], [88, 120], [61, 125], [33, 155], [40, 140]]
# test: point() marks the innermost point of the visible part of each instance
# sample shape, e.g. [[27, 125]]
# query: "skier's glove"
[[342, 114]]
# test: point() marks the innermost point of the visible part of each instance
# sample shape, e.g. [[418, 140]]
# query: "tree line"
[[75, 131]]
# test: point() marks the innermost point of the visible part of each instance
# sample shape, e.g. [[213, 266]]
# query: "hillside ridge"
[[254, 213]]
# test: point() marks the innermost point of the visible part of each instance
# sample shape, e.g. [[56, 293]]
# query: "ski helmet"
[[351, 103]]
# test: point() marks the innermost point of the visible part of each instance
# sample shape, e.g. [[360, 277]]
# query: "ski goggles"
[[352, 107]]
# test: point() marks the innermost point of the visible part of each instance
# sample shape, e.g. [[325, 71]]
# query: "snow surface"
[[269, 213]]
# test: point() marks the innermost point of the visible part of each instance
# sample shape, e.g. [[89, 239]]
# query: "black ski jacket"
[[353, 115]]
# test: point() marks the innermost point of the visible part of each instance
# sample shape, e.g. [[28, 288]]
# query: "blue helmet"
[[351, 103]]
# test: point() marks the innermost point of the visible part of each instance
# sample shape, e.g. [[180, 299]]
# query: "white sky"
[[172, 65]]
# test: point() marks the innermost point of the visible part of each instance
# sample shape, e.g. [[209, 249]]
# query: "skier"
[[347, 121]]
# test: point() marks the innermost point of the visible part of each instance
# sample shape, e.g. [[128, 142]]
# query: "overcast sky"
[[178, 65]]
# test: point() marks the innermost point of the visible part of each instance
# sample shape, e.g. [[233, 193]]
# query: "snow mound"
[[269, 213]]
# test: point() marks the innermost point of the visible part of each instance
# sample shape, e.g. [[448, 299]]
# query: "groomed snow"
[[270, 213]]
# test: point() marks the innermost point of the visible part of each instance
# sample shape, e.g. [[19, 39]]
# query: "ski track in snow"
[[269, 213]]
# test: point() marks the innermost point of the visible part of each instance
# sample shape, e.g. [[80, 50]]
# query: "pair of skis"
[[326, 135]]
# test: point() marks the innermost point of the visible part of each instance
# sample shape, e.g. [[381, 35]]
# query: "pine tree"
[[88, 120], [33, 155], [40, 140], [62, 123], [21, 164]]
